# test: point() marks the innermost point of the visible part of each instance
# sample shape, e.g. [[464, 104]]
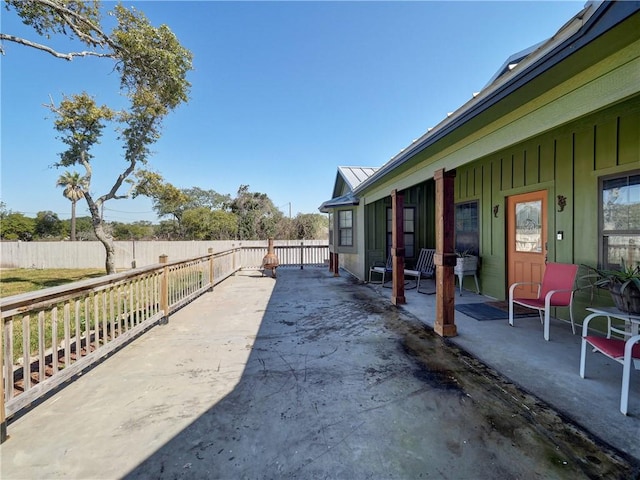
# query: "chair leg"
[[626, 372], [546, 323], [573, 325], [511, 307], [583, 356], [624, 394]]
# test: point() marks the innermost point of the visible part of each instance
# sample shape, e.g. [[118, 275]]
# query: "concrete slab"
[[310, 376]]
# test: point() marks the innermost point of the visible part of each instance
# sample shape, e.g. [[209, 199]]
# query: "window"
[[345, 227], [620, 220], [467, 228], [409, 231]]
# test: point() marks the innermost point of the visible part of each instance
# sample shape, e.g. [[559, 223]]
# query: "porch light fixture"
[[562, 202], [495, 210]]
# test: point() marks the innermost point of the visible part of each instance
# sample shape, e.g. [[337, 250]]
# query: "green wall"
[[422, 197], [567, 161]]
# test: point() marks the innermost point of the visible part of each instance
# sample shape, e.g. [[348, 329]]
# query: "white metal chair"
[[388, 269], [619, 345], [382, 270], [424, 268], [556, 290]]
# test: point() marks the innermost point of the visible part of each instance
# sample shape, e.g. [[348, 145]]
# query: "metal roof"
[[354, 176], [343, 201]]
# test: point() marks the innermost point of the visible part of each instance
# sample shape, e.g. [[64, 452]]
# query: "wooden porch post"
[[445, 257], [336, 265], [397, 247]]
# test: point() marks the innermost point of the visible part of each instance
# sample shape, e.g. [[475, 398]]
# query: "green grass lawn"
[[22, 280]]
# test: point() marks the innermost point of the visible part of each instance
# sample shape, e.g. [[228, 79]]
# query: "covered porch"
[[313, 375]]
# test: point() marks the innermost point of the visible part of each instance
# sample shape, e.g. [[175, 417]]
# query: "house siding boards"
[[422, 198], [568, 161]]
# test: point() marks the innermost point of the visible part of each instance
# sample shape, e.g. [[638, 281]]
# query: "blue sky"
[[282, 93]]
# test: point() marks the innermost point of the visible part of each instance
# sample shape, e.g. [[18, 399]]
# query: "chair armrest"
[[517, 284], [551, 293]]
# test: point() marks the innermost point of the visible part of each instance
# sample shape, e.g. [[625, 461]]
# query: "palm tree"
[[74, 186]]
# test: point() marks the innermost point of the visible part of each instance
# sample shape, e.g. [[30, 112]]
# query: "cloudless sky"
[[282, 93]]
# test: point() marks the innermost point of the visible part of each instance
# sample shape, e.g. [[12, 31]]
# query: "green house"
[[544, 165]]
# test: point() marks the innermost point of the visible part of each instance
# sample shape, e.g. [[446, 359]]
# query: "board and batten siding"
[[567, 161], [422, 198]]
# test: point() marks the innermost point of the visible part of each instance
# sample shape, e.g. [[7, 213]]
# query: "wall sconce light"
[[562, 202], [495, 210]]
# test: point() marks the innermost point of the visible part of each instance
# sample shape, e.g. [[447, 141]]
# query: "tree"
[[167, 200], [152, 66], [74, 185], [206, 198], [311, 226], [132, 231], [84, 229], [202, 223], [48, 225], [76, 19], [257, 216], [15, 226]]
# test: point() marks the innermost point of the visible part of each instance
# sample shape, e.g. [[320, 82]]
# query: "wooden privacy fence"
[[50, 335]]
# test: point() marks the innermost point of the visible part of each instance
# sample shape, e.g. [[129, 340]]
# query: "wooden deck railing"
[[49, 336]]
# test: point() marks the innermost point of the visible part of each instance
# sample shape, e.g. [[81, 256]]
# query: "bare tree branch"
[[67, 56]]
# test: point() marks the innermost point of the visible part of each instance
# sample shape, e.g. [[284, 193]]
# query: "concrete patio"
[[313, 376]]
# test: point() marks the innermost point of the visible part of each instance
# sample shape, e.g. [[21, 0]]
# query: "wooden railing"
[[49, 336], [288, 255]]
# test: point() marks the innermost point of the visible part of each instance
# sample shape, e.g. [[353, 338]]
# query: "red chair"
[[556, 290], [621, 344]]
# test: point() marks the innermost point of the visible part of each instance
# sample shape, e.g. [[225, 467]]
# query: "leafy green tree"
[[15, 226], [311, 226], [167, 200], [152, 66], [168, 230], [74, 186], [140, 230], [257, 216], [84, 228], [197, 197], [48, 225], [202, 223]]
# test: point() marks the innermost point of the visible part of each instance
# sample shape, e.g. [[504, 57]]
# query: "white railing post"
[[164, 290], [211, 276]]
